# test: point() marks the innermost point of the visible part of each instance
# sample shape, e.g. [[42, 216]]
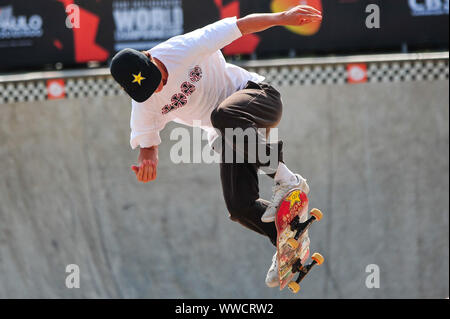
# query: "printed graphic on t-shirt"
[[180, 99], [187, 88], [195, 74]]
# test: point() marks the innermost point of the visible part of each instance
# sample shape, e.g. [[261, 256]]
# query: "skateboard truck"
[[301, 228], [294, 286]]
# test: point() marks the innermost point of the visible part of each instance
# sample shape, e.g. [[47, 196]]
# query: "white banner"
[[138, 23]]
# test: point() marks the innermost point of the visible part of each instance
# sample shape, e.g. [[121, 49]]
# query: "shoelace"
[[274, 188], [277, 194]]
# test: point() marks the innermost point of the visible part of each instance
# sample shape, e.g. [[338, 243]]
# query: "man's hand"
[[298, 15], [301, 15], [147, 164]]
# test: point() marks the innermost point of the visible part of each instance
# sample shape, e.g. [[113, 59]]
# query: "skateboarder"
[[186, 79]]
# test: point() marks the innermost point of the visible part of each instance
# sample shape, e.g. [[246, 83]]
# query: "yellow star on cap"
[[294, 198], [138, 78]]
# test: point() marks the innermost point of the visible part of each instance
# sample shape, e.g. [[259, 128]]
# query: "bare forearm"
[[298, 15], [258, 22]]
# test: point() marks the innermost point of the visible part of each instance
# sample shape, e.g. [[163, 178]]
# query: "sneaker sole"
[[268, 219], [272, 285]]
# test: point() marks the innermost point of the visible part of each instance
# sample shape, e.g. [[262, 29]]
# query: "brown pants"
[[255, 106]]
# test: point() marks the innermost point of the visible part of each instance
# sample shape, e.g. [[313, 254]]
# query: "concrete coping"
[[101, 72]]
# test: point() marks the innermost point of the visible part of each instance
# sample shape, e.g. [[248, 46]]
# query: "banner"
[[44, 32], [143, 24], [415, 24]]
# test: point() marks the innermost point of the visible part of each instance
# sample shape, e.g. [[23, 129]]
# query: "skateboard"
[[292, 225]]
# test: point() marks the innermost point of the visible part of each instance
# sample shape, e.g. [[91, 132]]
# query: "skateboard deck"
[[292, 225]]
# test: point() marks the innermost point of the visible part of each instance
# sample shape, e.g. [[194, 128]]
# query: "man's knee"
[[219, 118]]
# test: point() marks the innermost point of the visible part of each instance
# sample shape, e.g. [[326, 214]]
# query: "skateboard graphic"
[[292, 225]]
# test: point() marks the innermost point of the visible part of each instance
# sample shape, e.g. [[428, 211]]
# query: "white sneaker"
[[272, 274], [279, 191]]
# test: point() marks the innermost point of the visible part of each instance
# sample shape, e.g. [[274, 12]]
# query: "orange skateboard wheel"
[[292, 243], [316, 213], [318, 258], [294, 287]]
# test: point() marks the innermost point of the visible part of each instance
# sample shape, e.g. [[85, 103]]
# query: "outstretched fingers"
[[308, 14], [310, 10]]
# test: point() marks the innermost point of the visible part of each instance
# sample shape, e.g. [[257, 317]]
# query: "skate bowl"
[[375, 155]]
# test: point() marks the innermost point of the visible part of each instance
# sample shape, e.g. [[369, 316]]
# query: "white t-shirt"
[[199, 80]]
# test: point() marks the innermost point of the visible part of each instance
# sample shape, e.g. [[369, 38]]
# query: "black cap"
[[134, 71]]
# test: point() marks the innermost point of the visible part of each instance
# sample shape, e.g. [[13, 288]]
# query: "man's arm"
[[147, 164], [298, 15]]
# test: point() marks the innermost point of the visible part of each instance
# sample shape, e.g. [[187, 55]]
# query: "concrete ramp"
[[376, 157]]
